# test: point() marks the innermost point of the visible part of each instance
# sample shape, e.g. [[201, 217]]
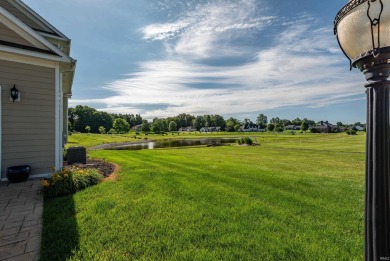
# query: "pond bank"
[[167, 143]]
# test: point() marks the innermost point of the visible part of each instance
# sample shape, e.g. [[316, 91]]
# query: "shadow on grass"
[[59, 233]]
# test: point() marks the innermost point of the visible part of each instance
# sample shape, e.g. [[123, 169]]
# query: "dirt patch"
[[108, 170], [113, 176]]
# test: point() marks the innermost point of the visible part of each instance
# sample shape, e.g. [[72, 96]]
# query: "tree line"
[[87, 119]]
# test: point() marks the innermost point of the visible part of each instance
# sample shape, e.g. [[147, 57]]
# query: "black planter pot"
[[18, 173]]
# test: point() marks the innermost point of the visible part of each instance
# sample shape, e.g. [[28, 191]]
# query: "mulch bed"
[[105, 168]]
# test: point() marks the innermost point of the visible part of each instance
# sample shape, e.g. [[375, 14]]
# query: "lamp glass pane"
[[354, 30]]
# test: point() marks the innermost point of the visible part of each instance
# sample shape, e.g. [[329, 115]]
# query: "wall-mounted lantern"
[[14, 94]]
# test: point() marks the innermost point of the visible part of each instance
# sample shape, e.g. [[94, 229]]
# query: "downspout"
[[65, 97]]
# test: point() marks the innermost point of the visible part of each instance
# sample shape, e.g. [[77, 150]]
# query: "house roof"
[[31, 35], [320, 127]]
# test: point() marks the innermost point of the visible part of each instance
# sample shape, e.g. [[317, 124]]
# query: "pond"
[[173, 143]]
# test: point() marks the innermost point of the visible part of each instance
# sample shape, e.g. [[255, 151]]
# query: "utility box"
[[76, 155]]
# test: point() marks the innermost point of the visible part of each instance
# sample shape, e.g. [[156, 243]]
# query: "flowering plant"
[[69, 180]]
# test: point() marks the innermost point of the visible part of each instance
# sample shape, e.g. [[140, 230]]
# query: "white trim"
[[54, 36], [58, 147], [12, 57], [29, 34], [31, 53], [47, 175], [61, 119]]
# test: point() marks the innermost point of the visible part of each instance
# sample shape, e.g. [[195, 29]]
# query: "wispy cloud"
[[204, 29], [300, 67]]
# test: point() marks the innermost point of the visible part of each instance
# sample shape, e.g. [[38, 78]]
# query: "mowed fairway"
[[292, 198]]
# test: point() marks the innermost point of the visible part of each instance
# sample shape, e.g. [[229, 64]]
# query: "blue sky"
[[235, 58]]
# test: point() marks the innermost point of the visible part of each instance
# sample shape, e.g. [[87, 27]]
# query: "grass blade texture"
[[292, 198]]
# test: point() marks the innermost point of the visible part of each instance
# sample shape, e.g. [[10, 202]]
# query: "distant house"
[[359, 128], [249, 127], [210, 129], [325, 127], [36, 76], [188, 129], [292, 127], [137, 127]]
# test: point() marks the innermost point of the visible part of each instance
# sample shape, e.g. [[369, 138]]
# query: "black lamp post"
[[362, 28]]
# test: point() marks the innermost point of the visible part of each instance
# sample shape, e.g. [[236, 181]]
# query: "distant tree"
[[198, 122], [101, 118], [237, 127], [218, 121], [262, 121], [230, 126], [155, 127], [88, 128], [275, 121], [231, 123], [172, 126], [285, 122], [339, 124], [145, 126], [304, 126], [82, 117], [102, 130], [207, 120], [163, 125], [184, 120], [72, 117], [297, 122], [138, 119], [158, 125], [271, 127], [310, 122], [279, 129], [121, 126]]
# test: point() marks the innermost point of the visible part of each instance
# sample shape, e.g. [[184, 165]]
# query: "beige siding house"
[[34, 57]]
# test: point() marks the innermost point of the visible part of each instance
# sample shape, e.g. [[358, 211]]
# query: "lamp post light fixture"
[[362, 28]]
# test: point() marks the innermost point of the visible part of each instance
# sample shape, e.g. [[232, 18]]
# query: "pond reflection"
[[175, 143]]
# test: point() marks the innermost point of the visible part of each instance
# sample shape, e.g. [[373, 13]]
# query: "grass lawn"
[[295, 197]]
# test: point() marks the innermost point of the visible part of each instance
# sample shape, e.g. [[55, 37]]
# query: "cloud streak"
[[202, 31], [300, 67]]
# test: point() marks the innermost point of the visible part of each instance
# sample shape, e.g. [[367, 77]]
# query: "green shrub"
[[69, 181], [112, 131], [350, 132], [279, 129], [245, 140], [102, 130]]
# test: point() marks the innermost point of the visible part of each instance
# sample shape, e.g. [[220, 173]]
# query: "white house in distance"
[[34, 57]]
